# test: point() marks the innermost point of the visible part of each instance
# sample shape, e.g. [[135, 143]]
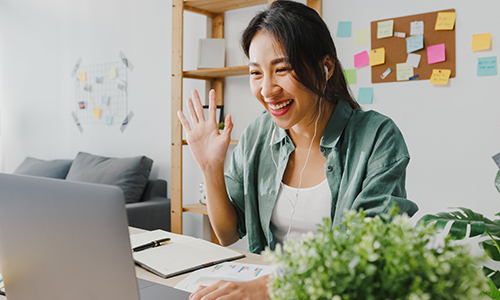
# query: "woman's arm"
[[209, 148]]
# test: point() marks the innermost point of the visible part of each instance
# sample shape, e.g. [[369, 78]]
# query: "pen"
[[151, 245]]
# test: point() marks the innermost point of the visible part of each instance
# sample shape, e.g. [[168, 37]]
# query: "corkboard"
[[395, 47]]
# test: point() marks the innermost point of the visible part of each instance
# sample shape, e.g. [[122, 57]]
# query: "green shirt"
[[366, 159]]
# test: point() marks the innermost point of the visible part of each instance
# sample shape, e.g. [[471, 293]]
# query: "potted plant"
[[382, 257], [479, 225]]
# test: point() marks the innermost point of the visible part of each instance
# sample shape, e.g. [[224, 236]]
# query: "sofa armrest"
[[151, 214], [154, 188]]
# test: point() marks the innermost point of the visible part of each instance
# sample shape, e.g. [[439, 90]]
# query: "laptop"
[[63, 240]]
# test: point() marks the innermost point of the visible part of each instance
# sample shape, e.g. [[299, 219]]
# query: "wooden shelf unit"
[[213, 9]]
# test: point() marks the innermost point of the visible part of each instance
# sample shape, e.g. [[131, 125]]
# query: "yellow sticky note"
[[445, 21], [385, 29], [83, 76], [440, 76], [403, 71], [113, 73], [97, 113], [362, 37], [481, 41], [377, 57]]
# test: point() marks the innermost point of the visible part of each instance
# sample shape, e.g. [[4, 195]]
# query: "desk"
[[250, 258]]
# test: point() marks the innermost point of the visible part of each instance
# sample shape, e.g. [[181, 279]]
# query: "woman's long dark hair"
[[305, 40]]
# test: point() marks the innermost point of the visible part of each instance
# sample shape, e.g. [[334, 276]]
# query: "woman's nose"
[[269, 87]]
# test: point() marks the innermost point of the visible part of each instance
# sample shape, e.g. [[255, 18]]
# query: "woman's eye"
[[254, 73], [279, 70]]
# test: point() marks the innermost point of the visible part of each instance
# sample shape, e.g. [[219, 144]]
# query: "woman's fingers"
[[192, 112], [212, 107], [184, 121], [198, 106]]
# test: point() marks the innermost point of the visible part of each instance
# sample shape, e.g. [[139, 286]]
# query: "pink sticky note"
[[436, 53], [361, 59]]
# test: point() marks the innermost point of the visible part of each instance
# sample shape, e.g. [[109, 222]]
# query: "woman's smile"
[[279, 108]]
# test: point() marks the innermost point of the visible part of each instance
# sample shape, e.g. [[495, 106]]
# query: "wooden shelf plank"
[[196, 208], [219, 6], [212, 74], [232, 142]]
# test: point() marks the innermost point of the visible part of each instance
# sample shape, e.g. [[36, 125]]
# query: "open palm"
[[207, 144]]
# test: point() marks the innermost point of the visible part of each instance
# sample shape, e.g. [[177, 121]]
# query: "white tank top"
[[311, 206]]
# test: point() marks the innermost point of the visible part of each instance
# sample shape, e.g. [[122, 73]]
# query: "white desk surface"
[[142, 273]]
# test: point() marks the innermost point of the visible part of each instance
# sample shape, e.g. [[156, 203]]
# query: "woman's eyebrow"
[[273, 62]]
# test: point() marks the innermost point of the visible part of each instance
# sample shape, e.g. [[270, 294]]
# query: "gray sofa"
[[145, 199]]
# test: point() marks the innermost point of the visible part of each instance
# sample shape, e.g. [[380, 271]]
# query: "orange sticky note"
[[440, 76], [83, 76], [377, 57], [97, 113], [445, 21], [481, 42]]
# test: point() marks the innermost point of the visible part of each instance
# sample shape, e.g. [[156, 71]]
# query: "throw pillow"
[[129, 174], [57, 168]]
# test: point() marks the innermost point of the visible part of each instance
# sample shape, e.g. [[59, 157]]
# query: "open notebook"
[[182, 254]]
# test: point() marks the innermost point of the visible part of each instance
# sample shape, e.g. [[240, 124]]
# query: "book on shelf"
[[180, 255]]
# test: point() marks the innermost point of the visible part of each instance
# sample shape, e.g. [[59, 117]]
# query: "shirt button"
[[329, 168], [322, 149]]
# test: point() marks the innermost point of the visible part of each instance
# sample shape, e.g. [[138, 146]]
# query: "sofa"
[[146, 199]]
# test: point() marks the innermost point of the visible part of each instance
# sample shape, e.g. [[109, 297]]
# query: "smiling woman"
[[315, 154]]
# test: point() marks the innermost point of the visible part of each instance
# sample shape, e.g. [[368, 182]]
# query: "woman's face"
[[272, 83]]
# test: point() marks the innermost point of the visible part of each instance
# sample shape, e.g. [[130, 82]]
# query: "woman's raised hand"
[[207, 144]]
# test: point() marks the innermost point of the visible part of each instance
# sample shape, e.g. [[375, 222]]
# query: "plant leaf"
[[491, 249], [493, 293], [497, 181], [496, 278], [460, 221]]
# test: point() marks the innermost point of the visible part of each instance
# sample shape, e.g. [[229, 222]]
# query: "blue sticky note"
[[109, 120], [344, 29], [487, 66], [414, 43], [365, 95]]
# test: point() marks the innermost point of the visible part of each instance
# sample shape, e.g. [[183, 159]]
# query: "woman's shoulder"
[[372, 121], [258, 128]]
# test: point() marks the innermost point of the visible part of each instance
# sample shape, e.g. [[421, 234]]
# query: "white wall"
[[451, 131]]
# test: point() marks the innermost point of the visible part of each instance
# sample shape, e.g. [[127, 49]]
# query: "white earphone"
[[326, 73]]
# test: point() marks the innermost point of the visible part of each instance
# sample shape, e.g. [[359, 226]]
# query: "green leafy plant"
[[384, 257], [479, 225]]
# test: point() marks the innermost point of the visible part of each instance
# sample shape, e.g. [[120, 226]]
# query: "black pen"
[[151, 245]]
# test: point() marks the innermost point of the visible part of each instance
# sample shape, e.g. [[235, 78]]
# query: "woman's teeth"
[[281, 105]]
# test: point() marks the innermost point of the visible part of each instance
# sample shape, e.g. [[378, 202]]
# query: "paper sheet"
[[413, 60], [350, 76], [487, 66], [362, 37], [403, 71], [365, 95], [417, 27], [228, 271], [436, 53], [385, 29], [414, 43], [481, 42], [344, 29], [445, 21], [377, 57], [361, 59], [440, 76]]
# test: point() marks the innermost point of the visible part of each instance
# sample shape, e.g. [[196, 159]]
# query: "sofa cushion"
[[129, 174], [57, 168]]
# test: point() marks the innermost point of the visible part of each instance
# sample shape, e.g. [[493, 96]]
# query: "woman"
[[314, 154]]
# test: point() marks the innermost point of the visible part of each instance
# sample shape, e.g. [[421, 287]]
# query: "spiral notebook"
[[182, 254]]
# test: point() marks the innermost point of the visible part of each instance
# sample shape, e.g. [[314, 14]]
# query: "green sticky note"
[[365, 95], [487, 66], [344, 29], [350, 76]]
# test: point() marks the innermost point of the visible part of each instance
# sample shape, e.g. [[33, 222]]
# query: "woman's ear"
[[330, 64]]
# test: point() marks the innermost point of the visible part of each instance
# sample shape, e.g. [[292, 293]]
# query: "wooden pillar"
[[317, 5], [218, 33], [177, 74]]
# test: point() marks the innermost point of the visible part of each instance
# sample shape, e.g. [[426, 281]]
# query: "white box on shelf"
[[211, 53]]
